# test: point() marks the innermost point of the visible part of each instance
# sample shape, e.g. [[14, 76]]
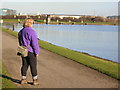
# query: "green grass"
[[39, 20], [6, 83], [12, 20], [103, 66]]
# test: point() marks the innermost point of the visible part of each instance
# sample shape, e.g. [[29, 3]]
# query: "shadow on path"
[[9, 78], [14, 80]]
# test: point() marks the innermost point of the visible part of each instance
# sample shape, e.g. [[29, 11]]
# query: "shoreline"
[[84, 53], [78, 24]]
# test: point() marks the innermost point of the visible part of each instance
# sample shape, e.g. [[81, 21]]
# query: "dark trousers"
[[30, 60]]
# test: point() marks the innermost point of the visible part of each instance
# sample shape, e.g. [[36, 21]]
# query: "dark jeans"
[[30, 60]]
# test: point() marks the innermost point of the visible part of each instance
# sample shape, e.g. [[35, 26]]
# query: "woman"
[[27, 37]]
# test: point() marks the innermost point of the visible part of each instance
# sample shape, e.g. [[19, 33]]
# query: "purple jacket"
[[27, 36]]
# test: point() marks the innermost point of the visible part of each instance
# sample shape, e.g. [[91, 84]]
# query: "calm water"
[[97, 40]]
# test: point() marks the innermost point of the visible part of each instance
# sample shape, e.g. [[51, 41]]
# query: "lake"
[[96, 40]]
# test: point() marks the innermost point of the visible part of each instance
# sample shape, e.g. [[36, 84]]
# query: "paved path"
[[54, 70]]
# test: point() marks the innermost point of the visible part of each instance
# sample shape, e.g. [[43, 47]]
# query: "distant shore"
[[61, 23]]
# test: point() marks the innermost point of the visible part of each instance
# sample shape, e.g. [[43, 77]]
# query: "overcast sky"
[[78, 7]]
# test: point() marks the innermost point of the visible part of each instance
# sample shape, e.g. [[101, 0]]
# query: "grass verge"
[[6, 83], [13, 20], [103, 66]]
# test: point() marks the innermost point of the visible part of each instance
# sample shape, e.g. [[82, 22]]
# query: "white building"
[[69, 16]]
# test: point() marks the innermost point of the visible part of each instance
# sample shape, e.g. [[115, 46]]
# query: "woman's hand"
[[37, 55]]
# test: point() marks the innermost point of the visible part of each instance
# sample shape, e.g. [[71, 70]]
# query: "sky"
[[59, 0], [78, 7]]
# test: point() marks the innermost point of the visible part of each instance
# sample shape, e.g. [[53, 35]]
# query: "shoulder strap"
[[28, 46], [20, 38]]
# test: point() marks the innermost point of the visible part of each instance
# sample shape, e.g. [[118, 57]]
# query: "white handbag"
[[22, 51]]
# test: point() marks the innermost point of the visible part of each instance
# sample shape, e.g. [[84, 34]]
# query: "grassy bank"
[[6, 83], [13, 20], [103, 66]]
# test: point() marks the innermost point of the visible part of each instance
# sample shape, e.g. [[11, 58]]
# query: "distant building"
[[22, 14], [113, 17], [69, 16], [5, 11]]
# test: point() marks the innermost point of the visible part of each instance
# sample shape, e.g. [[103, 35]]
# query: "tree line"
[[66, 19]]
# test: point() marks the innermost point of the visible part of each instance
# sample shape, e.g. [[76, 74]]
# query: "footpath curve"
[[54, 71]]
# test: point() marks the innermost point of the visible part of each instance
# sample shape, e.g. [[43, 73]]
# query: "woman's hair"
[[28, 22]]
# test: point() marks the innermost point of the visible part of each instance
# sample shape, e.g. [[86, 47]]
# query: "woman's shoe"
[[23, 81], [35, 82]]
